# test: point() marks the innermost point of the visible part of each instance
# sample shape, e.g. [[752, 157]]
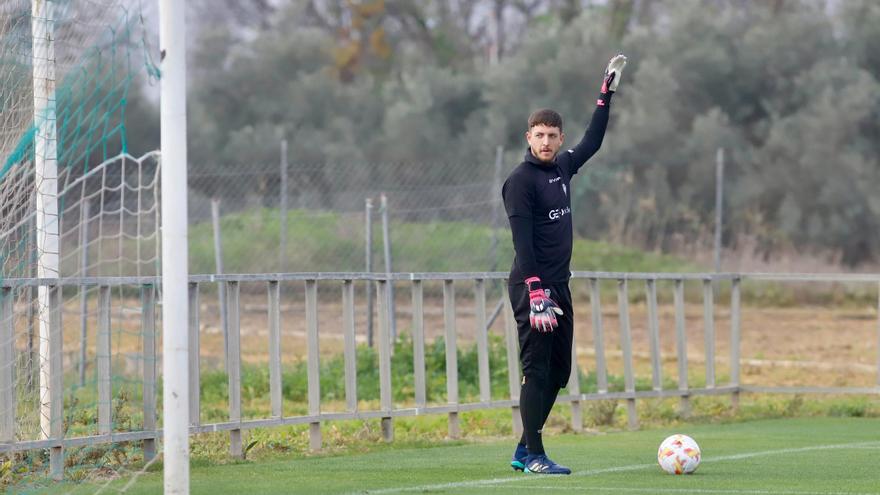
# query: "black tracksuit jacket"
[[537, 198]]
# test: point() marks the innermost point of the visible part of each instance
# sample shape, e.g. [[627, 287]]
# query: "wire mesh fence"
[[291, 217]]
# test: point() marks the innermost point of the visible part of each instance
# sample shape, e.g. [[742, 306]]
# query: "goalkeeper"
[[537, 198]]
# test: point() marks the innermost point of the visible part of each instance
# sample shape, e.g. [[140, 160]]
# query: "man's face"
[[545, 141]]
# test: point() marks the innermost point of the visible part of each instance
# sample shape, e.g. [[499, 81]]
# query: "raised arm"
[[592, 140]]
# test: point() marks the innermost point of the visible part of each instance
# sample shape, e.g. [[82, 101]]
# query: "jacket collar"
[[530, 158]]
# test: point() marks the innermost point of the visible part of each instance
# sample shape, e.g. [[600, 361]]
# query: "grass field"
[[334, 242], [809, 456]]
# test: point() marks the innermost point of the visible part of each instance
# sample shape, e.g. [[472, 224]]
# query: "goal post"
[[83, 243], [175, 313], [46, 182]]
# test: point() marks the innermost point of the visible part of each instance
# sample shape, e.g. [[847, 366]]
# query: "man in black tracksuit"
[[537, 197]]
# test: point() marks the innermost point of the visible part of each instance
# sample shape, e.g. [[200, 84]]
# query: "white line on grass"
[[854, 445], [488, 482], [720, 491], [497, 481]]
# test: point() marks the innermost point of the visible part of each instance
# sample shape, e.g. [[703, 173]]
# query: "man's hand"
[[542, 309], [612, 73]]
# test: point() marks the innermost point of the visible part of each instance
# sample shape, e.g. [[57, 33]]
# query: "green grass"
[[326, 241], [808, 456]]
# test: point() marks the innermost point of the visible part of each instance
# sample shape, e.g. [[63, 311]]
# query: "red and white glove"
[[542, 309]]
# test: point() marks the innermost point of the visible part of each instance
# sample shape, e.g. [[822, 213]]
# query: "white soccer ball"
[[679, 454]]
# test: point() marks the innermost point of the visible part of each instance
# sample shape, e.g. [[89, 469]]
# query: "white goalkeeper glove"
[[612, 73]]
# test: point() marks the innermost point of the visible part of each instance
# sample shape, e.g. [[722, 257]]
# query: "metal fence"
[[475, 284]]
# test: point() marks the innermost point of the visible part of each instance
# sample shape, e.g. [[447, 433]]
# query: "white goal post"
[[175, 270]]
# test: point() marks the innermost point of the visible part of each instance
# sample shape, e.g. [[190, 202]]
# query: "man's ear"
[[561, 137], [528, 134]]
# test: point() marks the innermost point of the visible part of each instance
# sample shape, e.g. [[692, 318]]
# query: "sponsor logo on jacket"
[[558, 213]]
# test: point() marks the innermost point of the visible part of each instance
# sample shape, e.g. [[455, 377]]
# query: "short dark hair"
[[545, 116]]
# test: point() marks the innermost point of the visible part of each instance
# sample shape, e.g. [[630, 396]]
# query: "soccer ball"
[[679, 454]]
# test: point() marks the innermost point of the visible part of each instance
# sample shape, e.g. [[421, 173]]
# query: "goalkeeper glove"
[[612, 73], [542, 309]]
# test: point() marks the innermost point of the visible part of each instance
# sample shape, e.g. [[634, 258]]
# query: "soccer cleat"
[[541, 464], [517, 462]]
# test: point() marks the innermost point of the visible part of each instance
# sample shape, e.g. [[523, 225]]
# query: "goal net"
[[76, 208]]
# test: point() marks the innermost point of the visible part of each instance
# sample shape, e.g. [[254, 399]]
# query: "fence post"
[[878, 339], [719, 202], [734, 342], [194, 356], [56, 382], [7, 366], [878, 336], [451, 356], [386, 236], [654, 333], [103, 357], [83, 294], [233, 366], [351, 400], [709, 334], [218, 238], [495, 194], [511, 338], [274, 294], [148, 326], [31, 295], [598, 337], [218, 268], [482, 339], [574, 388], [368, 244], [626, 346], [419, 342], [282, 261], [314, 367], [681, 348], [385, 402]]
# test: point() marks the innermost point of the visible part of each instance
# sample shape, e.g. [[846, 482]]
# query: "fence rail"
[[476, 283]]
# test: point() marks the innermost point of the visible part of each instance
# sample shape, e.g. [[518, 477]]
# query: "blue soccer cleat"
[[541, 464], [517, 462]]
